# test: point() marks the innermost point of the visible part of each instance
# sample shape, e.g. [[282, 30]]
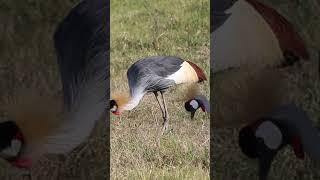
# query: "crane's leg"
[[156, 95], [166, 116]]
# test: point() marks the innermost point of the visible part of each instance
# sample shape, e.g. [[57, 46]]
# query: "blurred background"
[[303, 89], [28, 59]]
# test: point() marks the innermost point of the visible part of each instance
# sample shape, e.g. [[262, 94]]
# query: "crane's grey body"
[[156, 74], [204, 101], [81, 41], [148, 74], [298, 123]]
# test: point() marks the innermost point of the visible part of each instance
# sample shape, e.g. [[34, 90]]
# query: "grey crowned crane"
[[198, 101], [285, 125], [248, 32], [155, 74], [35, 127], [195, 100]]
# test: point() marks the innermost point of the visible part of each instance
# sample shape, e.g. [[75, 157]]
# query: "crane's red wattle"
[[203, 108], [297, 147], [116, 113], [22, 162]]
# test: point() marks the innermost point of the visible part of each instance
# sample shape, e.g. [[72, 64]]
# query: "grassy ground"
[[27, 59], [304, 84], [144, 28]]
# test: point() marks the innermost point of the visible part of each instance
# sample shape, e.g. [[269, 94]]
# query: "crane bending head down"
[[41, 125], [154, 74]]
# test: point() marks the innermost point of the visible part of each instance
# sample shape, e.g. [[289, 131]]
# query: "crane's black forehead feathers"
[[8, 130]]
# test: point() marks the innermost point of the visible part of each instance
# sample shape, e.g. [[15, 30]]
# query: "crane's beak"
[[265, 158], [192, 114]]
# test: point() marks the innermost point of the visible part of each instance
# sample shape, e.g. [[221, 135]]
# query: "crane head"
[[192, 106], [262, 143], [11, 144], [114, 107], [118, 102], [195, 103]]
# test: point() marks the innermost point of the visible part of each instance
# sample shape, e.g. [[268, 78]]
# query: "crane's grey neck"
[[133, 101]]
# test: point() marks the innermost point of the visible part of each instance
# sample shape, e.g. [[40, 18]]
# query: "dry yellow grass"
[[144, 28]]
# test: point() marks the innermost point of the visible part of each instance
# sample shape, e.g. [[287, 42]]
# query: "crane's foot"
[[164, 126]]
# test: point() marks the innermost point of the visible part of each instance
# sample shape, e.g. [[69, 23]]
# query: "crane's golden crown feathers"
[[244, 96], [193, 90], [120, 98], [190, 90], [36, 115]]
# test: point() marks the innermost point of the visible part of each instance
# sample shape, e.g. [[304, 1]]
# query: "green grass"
[[304, 85], [145, 28], [28, 59]]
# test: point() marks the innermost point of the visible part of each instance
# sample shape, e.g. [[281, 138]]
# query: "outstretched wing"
[[82, 45]]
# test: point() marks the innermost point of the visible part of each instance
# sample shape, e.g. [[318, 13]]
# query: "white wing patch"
[[244, 39], [270, 133], [186, 74]]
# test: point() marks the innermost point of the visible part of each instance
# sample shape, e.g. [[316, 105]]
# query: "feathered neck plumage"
[[126, 101]]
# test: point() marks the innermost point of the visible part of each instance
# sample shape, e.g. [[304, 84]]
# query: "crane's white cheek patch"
[[271, 134], [114, 108], [13, 150], [194, 104]]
